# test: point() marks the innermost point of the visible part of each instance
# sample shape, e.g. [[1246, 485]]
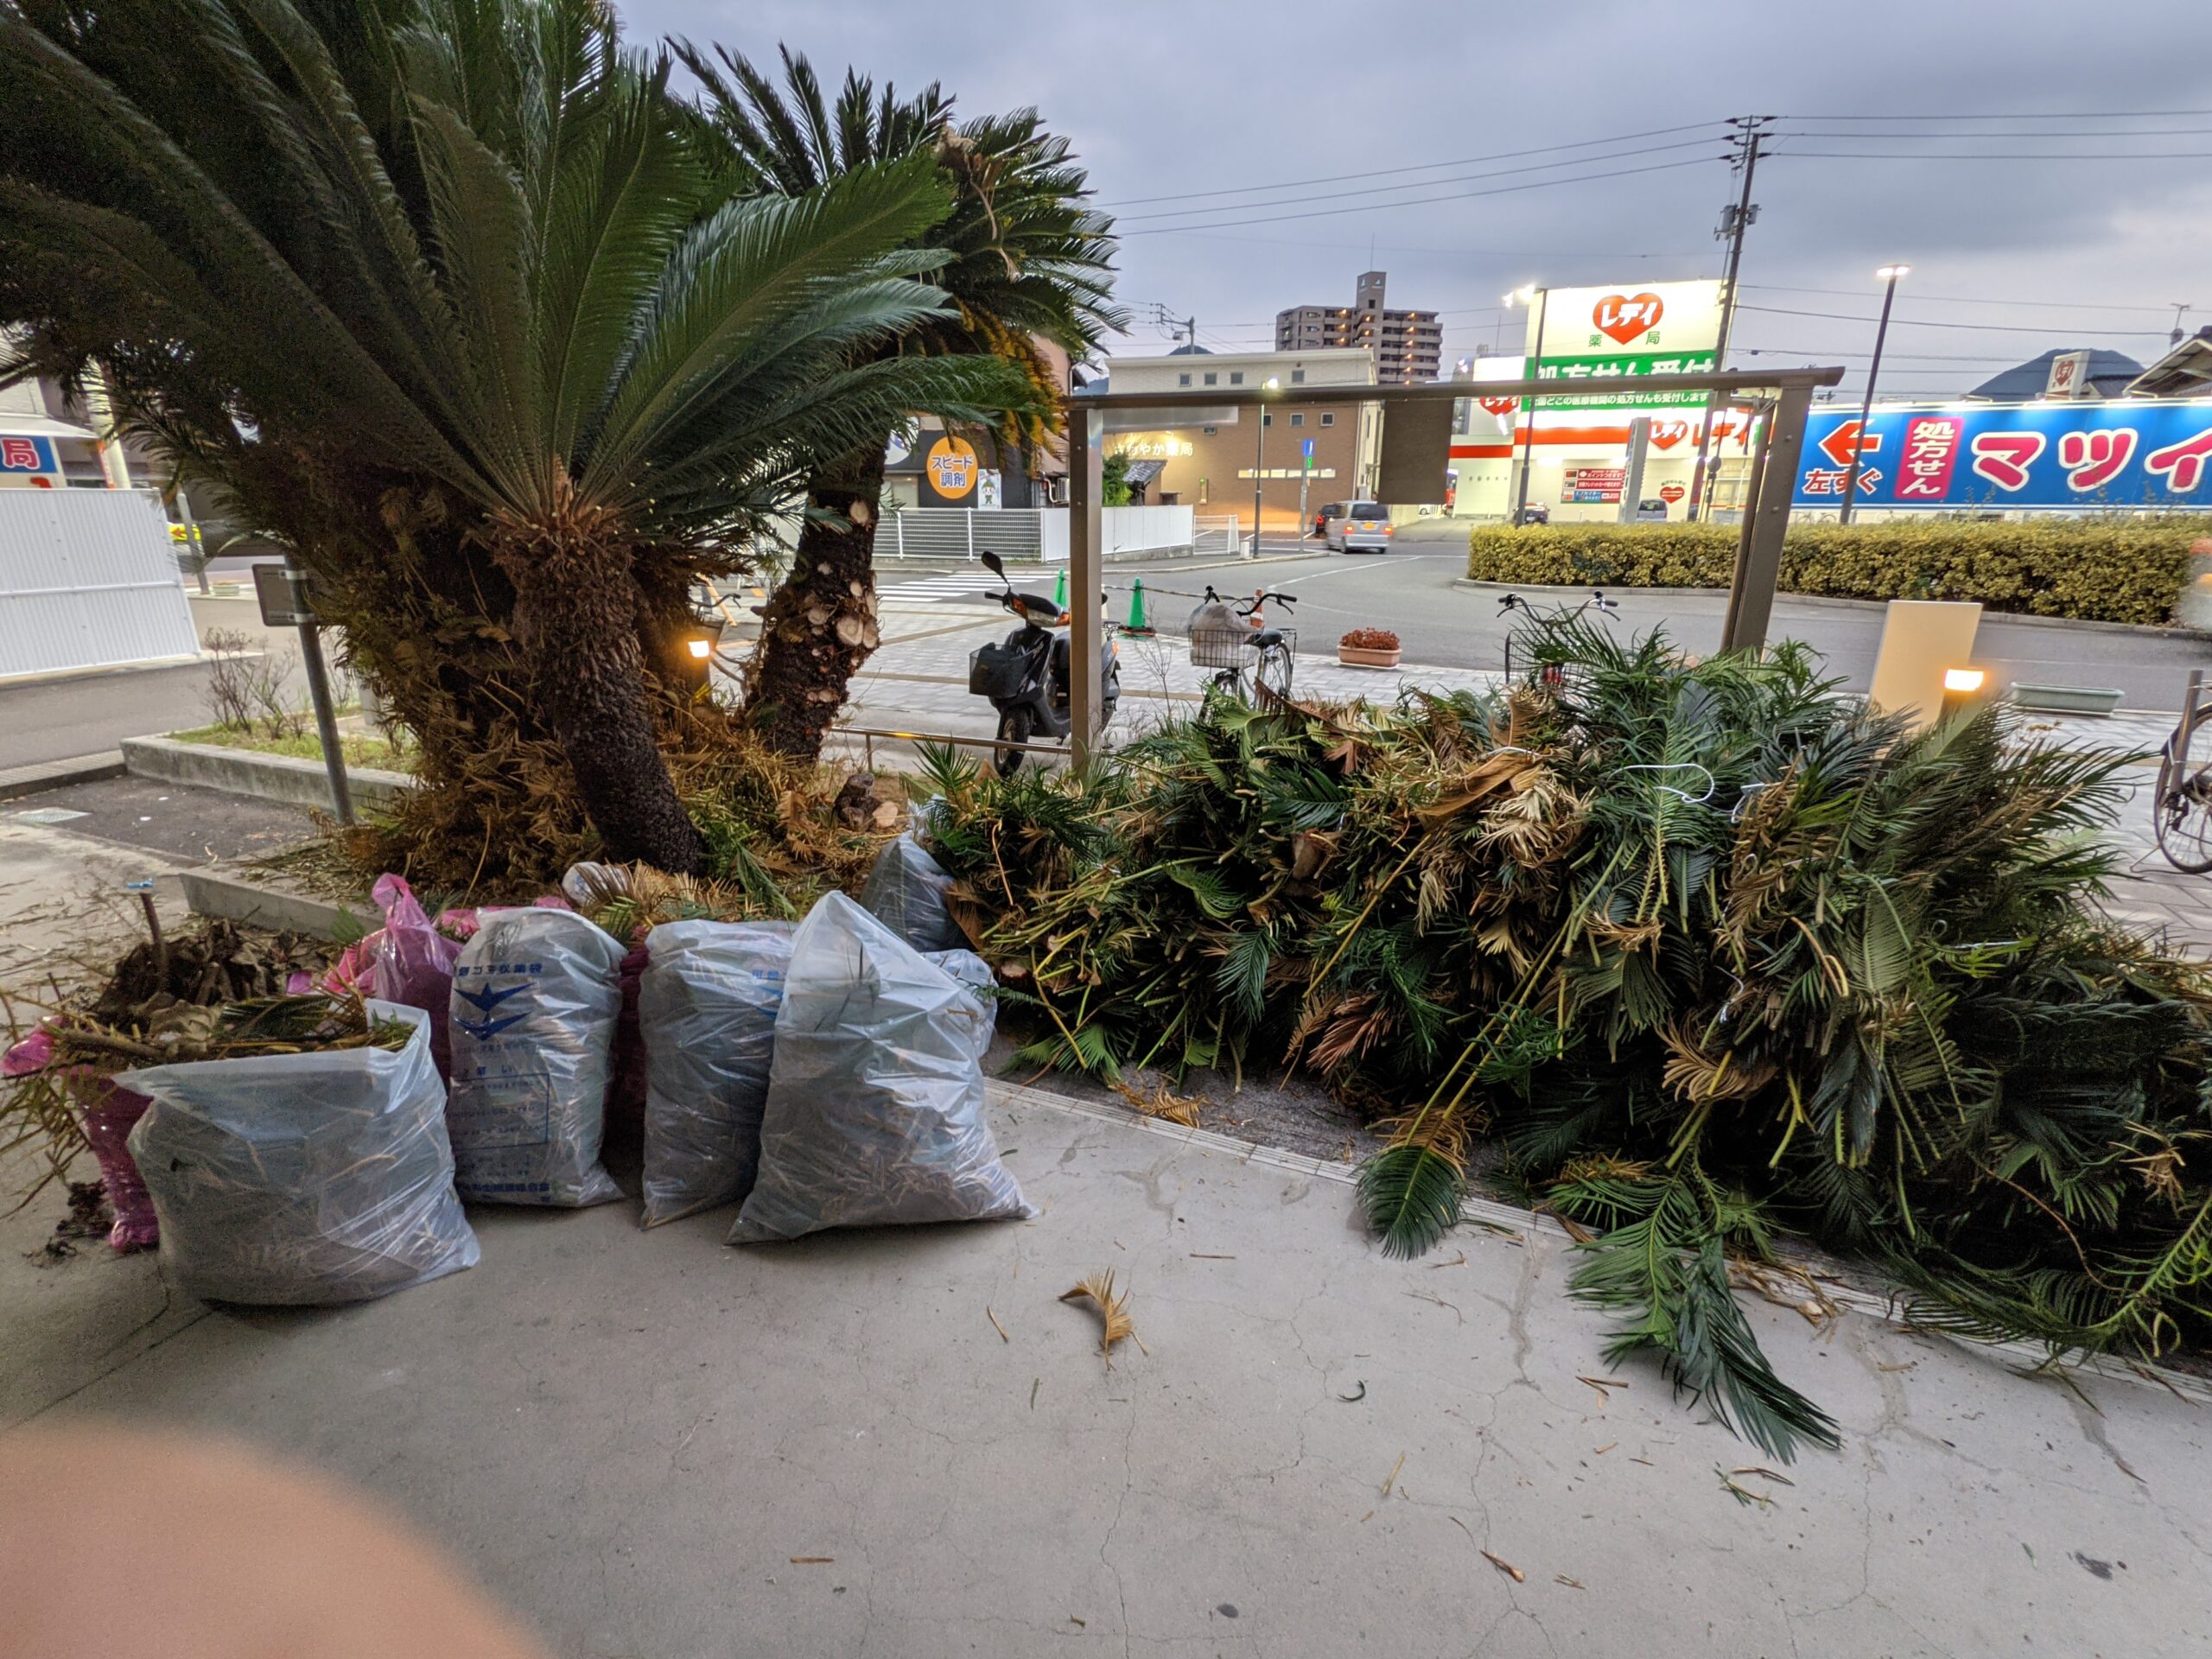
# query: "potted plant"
[[1369, 648]]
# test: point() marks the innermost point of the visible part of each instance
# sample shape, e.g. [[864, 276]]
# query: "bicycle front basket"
[[1219, 647]]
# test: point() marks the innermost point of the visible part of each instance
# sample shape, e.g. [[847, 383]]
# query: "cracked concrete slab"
[[630, 1436]]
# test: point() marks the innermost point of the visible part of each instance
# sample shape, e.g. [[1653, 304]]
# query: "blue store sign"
[[2082, 455]]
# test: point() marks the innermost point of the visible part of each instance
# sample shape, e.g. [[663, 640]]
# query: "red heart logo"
[[1624, 319], [1671, 493], [1501, 405], [1665, 434]]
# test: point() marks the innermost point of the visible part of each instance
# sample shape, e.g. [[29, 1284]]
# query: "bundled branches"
[[1775, 963]]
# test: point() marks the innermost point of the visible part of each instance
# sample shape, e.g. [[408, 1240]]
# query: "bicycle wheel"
[[1271, 674], [2181, 803], [1014, 726]]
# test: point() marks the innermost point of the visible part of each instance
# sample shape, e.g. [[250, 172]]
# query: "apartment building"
[[1407, 346]]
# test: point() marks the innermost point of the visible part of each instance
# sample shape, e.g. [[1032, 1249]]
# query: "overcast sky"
[[1168, 99]]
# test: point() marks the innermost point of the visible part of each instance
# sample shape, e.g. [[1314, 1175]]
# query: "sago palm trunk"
[[576, 618], [821, 625]]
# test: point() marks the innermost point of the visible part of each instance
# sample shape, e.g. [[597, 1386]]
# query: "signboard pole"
[[282, 591], [1639, 451], [1766, 519], [1086, 536]]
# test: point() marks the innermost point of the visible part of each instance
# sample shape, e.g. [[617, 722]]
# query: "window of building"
[[1210, 379], [1207, 430], [1297, 376], [1266, 419], [1182, 379], [1236, 377], [1298, 420], [1328, 419]]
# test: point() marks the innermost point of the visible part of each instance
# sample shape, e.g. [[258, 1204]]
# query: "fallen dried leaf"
[[1906, 1366], [1458, 1261], [1754, 1469], [1202, 1255], [1572, 1584], [1354, 1399], [1392, 1480], [1083, 1622], [1506, 1568], [1743, 1494], [1646, 1462], [1035, 1383], [1168, 1108], [1606, 1447], [1113, 1310], [995, 1325], [1365, 1519], [812, 1560]]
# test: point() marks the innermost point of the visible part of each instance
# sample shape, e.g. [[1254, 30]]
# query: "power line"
[[1957, 299], [1981, 328], [1416, 201], [1464, 178], [2031, 115], [1954, 138], [1999, 155], [1421, 167]]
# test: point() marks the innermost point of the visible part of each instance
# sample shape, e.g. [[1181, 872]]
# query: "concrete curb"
[[214, 891], [264, 777], [2086, 625], [18, 781]]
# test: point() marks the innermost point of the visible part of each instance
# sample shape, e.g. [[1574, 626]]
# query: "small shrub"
[[2101, 570], [1370, 640]]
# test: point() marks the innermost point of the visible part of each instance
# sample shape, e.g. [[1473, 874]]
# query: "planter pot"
[[2064, 699], [1360, 656]]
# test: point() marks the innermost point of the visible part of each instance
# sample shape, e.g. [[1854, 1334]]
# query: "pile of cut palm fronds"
[[1717, 955]]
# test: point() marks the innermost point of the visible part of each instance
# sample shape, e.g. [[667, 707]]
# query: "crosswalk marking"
[[956, 584]]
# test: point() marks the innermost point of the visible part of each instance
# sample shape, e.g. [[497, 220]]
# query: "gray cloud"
[[1162, 99]]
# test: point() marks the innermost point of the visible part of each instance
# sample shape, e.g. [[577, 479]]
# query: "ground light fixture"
[[1962, 689], [696, 653], [1887, 275]]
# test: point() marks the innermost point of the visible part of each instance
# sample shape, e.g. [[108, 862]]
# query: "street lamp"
[[1529, 293], [1888, 275], [1259, 460]]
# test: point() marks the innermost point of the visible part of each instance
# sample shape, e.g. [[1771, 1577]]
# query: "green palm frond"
[[1411, 1194]]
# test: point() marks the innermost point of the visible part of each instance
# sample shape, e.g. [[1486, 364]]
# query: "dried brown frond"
[[1602, 1166], [1163, 1105], [1695, 1074], [1113, 1309], [1446, 1133]]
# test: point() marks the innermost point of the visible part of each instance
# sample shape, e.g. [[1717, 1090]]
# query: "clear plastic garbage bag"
[[707, 1007], [975, 972], [875, 1099], [304, 1178], [905, 892], [536, 996]]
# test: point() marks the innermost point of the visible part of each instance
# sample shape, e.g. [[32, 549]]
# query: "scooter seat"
[[1263, 637]]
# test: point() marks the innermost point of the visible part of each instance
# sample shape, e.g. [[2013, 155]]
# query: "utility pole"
[[1889, 274], [2180, 311], [1745, 149]]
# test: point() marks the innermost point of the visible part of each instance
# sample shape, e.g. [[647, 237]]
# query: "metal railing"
[[1217, 533], [1014, 533]]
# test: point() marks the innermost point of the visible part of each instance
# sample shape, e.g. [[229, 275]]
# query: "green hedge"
[[2109, 571]]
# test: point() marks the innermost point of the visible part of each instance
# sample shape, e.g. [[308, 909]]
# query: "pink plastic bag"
[[414, 961], [109, 1113]]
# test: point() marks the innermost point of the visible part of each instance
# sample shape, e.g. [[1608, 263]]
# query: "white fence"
[[1028, 533], [88, 579]]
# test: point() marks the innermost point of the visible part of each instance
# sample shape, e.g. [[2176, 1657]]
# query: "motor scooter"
[[1026, 675]]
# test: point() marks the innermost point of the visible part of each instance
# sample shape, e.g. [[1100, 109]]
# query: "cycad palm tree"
[[1025, 261], [452, 300]]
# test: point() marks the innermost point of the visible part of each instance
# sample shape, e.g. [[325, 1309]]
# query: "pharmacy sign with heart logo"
[[1625, 318]]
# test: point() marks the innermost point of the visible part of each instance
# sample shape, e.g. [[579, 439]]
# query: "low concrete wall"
[[212, 892], [265, 777]]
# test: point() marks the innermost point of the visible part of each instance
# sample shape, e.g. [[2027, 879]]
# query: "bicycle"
[[1220, 645], [2181, 805], [1596, 601]]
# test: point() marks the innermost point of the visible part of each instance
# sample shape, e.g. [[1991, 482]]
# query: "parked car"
[[1365, 528], [1536, 512], [1651, 511], [1324, 516]]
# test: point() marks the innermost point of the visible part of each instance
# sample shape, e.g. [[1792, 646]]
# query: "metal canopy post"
[[1766, 520], [1086, 537]]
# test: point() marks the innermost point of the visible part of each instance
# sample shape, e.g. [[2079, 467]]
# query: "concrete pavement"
[[630, 1437]]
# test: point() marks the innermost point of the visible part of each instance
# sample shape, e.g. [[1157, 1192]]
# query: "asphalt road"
[[1412, 593]]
